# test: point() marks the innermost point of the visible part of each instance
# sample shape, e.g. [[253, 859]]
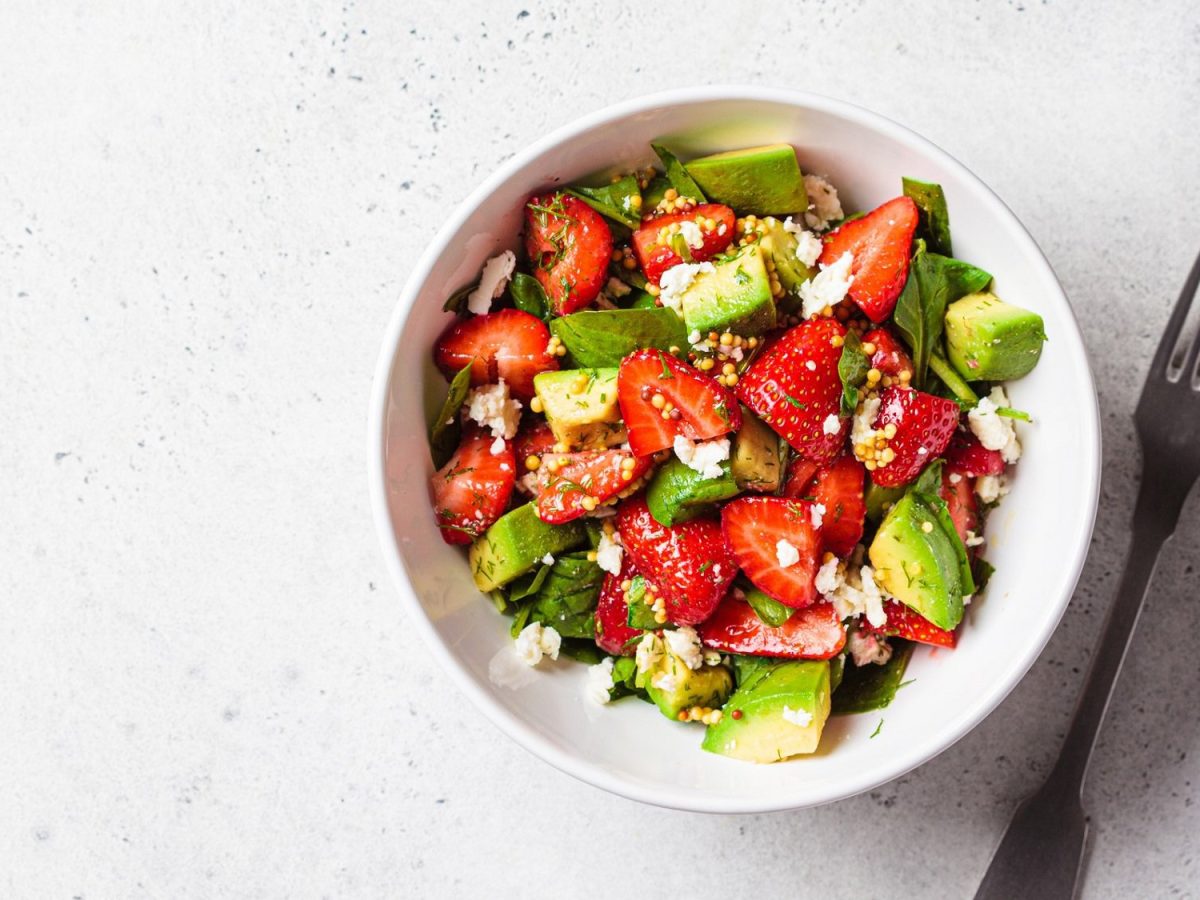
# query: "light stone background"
[[207, 210]]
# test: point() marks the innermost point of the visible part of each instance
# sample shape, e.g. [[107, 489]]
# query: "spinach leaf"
[[678, 175], [654, 192], [869, 687], [602, 338], [445, 430], [984, 571], [640, 615], [747, 670], [632, 277], [582, 650], [457, 302], [528, 295], [934, 223], [930, 479], [568, 595], [853, 366], [934, 282], [952, 380], [769, 610], [614, 201], [624, 675]]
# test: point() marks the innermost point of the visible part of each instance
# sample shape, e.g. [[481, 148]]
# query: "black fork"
[[1041, 853]]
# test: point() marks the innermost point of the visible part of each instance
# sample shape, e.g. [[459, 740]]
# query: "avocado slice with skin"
[[754, 458], [674, 687], [779, 245], [677, 492], [517, 542], [581, 407], [783, 710], [990, 340], [734, 297], [758, 180]]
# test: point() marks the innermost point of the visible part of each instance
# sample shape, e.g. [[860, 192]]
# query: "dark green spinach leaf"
[[678, 175], [639, 616], [934, 223], [602, 338], [769, 610], [853, 366], [567, 597], [869, 687], [930, 479], [614, 201], [528, 295], [445, 430], [457, 302]]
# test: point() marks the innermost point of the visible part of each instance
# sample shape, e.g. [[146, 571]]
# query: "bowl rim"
[[511, 724]]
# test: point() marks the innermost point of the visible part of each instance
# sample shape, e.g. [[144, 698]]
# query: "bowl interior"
[[1036, 539]]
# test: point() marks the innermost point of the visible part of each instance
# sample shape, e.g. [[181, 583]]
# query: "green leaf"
[[954, 382], [1009, 413], [567, 597], [853, 366], [624, 678], [640, 615], [984, 571], [678, 175], [934, 282], [614, 201], [632, 277], [769, 610], [582, 650], [930, 479], [602, 338], [654, 192], [869, 687], [457, 302], [445, 430], [934, 223], [749, 669], [528, 295]]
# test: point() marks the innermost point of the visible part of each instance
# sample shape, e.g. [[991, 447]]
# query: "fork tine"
[[1183, 305]]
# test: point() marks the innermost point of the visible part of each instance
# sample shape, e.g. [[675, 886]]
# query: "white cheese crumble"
[[808, 245], [535, 641], [829, 577], [615, 287], [678, 279], [852, 591], [684, 643], [600, 681], [832, 424], [609, 552], [491, 407], [816, 514], [991, 488], [995, 432], [863, 431], [799, 717], [649, 653], [692, 234], [548, 559], [665, 682], [497, 447], [823, 203], [866, 648], [786, 553], [492, 282], [828, 288], [973, 539], [704, 457]]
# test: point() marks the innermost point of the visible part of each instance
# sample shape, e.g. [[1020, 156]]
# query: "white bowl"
[[1037, 539]]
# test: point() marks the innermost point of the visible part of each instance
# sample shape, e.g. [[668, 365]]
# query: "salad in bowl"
[[727, 443]]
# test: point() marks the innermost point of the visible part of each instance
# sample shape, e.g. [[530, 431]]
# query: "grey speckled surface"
[[206, 212]]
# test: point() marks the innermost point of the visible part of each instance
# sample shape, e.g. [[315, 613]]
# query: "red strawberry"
[[910, 625], [508, 344], [754, 528], [815, 632], [799, 476], [534, 439], [960, 502], [472, 490], [699, 408], [794, 387], [570, 245], [890, 357], [613, 633], [924, 425], [880, 242], [689, 563], [656, 254], [839, 488], [967, 456], [567, 480]]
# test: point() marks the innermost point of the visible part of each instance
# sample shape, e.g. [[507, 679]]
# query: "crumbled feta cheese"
[[823, 203], [828, 287], [973, 539], [684, 643], [712, 658], [816, 514], [600, 681], [875, 614], [808, 245], [695, 337], [692, 234], [548, 559], [535, 641], [704, 457], [528, 484], [786, 553], [799, 717], [991, 488], [678, 279], [492, 282], [866, 648], [853, 592], [736, 354], [615, 287], [829, 577], [609, 552], [649, 652], [832, 424], [497, 447], [995, 432], [862, 432], [491, 407], [665, 682]]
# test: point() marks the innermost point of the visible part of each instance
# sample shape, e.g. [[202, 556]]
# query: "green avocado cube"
[[581, 407], [515, 543], [780, 714], [754, 458], [990, 340], [757, 180], [735, 296]]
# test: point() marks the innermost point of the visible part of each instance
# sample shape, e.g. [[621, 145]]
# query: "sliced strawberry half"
[[794, 387], [472, 490], [910, 625], [839, 488], [814, 632], [967, 456], [569, 245], [693, 405], [924, 425], [689, 563], [508, 344], [756, 528], [799, 476], [613, 633], [960, 502], [572, 484], [534, 439], [655, 246], [880, 242], [890, 357]]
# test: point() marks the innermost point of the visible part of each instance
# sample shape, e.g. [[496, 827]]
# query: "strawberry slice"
[[794, 387], [534, 439], [839, 488], [689, 563], [508, 344], [570, 245], [910, 625], [890, 357], [473, 488], [613, 633], [572, 484], [880, 242], [756, 529], [799, 476], [924, 425], [814, 632], [960, 502], [967, 456], [693, 405], [655, 246]]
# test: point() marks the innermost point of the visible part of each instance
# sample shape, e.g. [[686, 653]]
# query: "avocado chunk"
[[919, 563], [517, 542], [734, 297], [675, 688], [782, 714], [779, 245], [990, 340], [758, 180], [880, 499], [754, 458], [677, 492], [581, 407]]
